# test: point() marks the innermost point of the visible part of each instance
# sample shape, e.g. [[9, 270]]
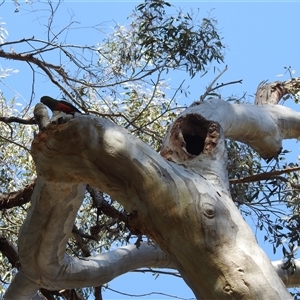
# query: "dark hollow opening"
[[194, 130], [194, 143]]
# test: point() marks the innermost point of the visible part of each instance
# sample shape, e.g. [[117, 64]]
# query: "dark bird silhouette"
[[59, 105]]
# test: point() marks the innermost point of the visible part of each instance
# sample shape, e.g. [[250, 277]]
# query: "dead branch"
[[210, 87]]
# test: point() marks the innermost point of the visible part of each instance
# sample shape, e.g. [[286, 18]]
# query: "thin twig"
[[210, 87], [7, 120], [150, 270], [263, 176], [17, 144]]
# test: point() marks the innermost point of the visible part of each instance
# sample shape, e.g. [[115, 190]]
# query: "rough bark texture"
[[272, 93], [181, 198]]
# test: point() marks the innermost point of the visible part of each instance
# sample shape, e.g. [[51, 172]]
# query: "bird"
[[59, 105]]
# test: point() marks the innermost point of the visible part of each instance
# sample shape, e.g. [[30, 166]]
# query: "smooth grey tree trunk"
[[178, 197]]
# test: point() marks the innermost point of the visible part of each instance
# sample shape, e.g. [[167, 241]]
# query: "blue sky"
[[261, 39]]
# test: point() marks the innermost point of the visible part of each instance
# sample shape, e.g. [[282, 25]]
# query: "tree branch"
[[16, 198], [266, 176], [7, 120], [210, 87], [149, 186], [9, 251], [271, 93], [46, 67], [130, 220], [261, 127]]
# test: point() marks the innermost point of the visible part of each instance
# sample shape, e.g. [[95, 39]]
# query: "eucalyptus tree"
[[115, 174]]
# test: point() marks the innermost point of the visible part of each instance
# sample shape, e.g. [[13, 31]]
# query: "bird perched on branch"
[[59, 105]]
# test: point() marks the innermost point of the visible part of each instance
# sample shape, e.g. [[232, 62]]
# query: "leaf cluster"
[[176, 41]]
